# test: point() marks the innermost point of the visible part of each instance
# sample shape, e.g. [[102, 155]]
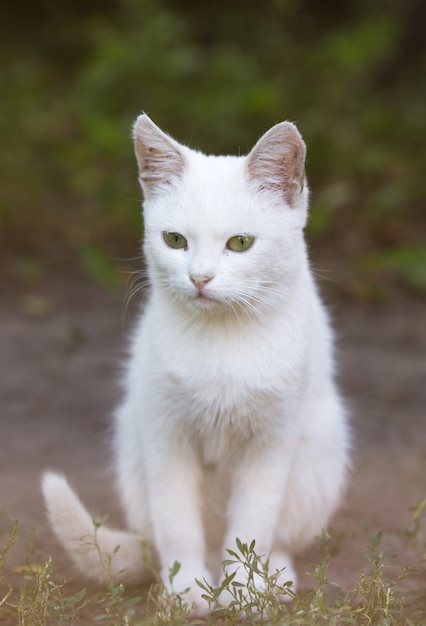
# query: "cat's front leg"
[[174, 477], [257, 495]]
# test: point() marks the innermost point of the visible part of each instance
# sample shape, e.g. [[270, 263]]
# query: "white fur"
[[231, 425]]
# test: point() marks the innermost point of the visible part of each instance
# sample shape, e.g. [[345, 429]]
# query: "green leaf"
[[174, 570], [242, 547], [72, 600], [203, 585], [234, 554], [133, 601], [100, 522]]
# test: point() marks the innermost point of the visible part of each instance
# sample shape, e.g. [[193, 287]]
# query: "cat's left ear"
[[159, 157], [277, 162]]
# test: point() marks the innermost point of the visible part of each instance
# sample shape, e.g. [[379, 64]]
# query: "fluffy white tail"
[[98, 554]]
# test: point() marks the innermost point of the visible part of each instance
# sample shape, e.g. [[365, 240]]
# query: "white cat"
[[231, 425]]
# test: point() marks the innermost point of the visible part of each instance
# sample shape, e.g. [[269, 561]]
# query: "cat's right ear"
[[159, 157]]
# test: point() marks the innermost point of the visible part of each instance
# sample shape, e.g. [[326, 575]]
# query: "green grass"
[[380, 596]]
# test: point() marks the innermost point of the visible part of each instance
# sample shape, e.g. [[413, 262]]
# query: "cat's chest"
[[222, 410], [228, 372]]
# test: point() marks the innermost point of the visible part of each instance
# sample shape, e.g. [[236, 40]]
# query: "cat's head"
[[223, 233]]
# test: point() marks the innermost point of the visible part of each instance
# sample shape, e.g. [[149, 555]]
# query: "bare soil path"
[[60, 356]]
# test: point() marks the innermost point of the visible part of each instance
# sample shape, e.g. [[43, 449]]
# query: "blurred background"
[[215, 75]]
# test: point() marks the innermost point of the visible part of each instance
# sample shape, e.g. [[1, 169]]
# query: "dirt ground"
[[61, 348]]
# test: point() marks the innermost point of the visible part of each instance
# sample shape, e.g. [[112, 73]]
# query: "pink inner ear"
[[159, 157], [277, 161], [290, 173]]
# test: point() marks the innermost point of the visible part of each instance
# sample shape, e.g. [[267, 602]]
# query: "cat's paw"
[[280, 567], [183, 584], [197, 605]]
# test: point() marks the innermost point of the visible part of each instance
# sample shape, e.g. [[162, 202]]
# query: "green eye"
[[174, 240], [240, 243]]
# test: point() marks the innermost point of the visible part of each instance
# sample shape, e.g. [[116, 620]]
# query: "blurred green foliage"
[[75, 75]]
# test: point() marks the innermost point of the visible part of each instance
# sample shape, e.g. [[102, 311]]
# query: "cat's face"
[[215, 238]]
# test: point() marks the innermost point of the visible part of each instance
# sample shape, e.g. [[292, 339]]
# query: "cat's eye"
[[174, 240], [240, 243]]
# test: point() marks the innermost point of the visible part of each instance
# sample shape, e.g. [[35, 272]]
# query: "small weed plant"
[[377, 598]]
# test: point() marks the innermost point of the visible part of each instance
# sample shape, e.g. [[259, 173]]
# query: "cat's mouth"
[[202, 297], [205, 301], [201, 294], [208, 300]]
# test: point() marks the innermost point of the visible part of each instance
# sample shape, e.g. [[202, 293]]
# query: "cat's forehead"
[[214, 186], [223, 174]]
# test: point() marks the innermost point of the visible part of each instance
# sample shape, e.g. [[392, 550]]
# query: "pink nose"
[[200, 281]]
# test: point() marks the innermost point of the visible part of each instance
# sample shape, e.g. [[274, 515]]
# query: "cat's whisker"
[[320, 273], [266, 298], [245, 301], [137, 282]]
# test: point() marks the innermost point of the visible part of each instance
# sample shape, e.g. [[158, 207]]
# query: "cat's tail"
[[99, 553]]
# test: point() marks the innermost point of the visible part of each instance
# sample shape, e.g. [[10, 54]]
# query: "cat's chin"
[[206, 304]]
